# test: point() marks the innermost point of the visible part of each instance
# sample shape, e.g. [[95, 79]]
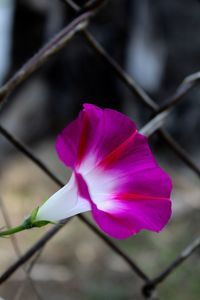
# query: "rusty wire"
[[79, 26]]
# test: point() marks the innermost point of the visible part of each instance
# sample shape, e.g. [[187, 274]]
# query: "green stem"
[[29, 222], [13, 230]]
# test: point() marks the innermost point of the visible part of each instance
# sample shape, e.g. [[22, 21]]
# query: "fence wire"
[[155, 125]]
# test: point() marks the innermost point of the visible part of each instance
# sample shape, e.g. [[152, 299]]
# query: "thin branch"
[[181, 153], [28, 153], [127, 79], [72, 4], [116, 249], [185, 254], [28, 271], [92, 5], [50, 49], [34, 249], [154, 124], [8, 224], [188, 83]]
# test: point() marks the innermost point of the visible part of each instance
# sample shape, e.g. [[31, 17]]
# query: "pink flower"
[[115, 176]]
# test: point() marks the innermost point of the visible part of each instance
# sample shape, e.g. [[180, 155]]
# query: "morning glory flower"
[[114, 175]]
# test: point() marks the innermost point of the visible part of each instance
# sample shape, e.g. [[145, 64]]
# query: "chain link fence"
[[79, 24]]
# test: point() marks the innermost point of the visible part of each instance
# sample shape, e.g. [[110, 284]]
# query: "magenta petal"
[[92, 136], [116, 129], [126, 206], [111, 225], [79, 137], [133, 170], [67, 142], [129, 218]]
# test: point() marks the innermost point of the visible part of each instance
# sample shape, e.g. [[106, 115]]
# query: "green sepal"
[[34, 214], [41, 223], [31, 221]]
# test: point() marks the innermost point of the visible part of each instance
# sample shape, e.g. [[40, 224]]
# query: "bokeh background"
[[158, 44]]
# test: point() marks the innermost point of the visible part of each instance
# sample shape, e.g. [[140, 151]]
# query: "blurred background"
[[158, 44]]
